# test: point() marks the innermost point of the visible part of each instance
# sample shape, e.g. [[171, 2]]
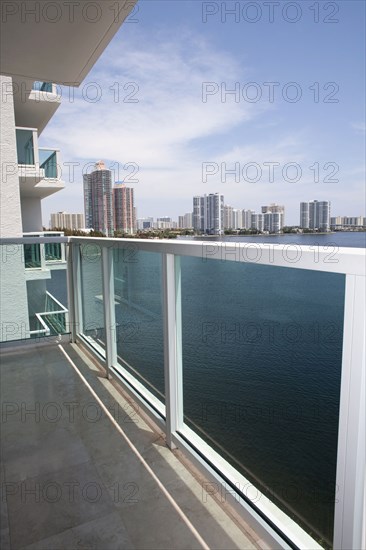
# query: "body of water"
[[349, 239]]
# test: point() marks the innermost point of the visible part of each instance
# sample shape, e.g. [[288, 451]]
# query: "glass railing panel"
[[56, 323], [13, 294], [38, 328], [53, 252], [25, 147], [48, 305], [48, 162], [32, 305], [56, 290], [56, 307], [139, 322], [32, 256], [42, 86], [262, 351], [92, 296]]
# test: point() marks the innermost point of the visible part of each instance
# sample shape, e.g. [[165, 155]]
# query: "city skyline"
[[243, 217], [198, 106]]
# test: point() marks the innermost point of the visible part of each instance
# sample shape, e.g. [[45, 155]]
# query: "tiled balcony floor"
[[71, 480]]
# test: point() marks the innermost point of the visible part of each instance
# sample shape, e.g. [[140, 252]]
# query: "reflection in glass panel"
[[48, 162], [48, 305], [53, 252], [92, 295], [138, 307], [42, 86], [262, 350], [25, 148], [32, 256]]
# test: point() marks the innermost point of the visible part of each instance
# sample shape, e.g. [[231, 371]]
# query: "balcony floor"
[[70, 479]]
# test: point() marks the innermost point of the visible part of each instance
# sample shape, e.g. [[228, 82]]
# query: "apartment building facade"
[[124, 209], [98, 200], [208, 213], [347, 222], [315, 215], [185, 221], [65, 220]]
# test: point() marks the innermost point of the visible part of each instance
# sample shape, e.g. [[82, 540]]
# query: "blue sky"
[[154, 107]]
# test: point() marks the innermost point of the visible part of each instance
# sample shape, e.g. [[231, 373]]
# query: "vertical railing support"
[[42, 253], [349, 520], [74, 290], [109, 309], [172, 345]]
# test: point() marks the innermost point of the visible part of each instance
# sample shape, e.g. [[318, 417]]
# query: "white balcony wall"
[[13, 292], [10, 218], [31, 214], [33, 108]]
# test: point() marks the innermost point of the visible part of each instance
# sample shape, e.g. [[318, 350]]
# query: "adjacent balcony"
[[39, 168], [48, 162], [45, 87], [35, 103], [41, 258], [249, 358], [52, 321]]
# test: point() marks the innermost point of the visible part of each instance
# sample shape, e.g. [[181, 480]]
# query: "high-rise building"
[[165, 222], [323, 215], [315, 215], [186, 221], [124, 209], [347, 222], [304, 215], [246, 219], [257, 221], [273, 218], [63, 220], [208, 213], [237, 219], [98, 200], [197, 214], [145, 223], [228, 217]]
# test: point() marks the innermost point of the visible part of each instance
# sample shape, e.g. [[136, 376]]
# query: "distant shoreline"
[[265, 235], [199, 237]]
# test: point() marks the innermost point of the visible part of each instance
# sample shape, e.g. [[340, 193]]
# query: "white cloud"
[[360, 127]]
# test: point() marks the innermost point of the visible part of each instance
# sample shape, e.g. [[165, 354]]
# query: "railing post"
[[109, 308], [349, 518], [63, 252], [42, 252], [74, 290], [172, 345], [70, 292]]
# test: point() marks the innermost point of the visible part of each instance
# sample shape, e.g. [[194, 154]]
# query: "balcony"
[[248, 360], [48, 162], [44, 87], [39, 168], [41, 258], [35, 103], [52, 321]]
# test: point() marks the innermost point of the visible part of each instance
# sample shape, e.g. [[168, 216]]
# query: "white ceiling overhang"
[[57, 41]]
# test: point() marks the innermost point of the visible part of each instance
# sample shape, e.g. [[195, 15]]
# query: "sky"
[[263, 102]]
